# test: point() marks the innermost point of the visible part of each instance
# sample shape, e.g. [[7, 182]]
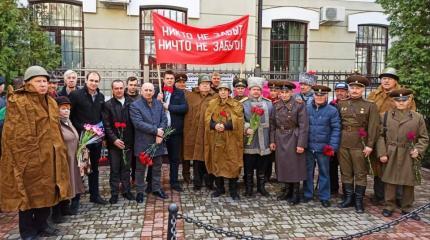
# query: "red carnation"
[[411, 136], [328, 151], [117, 125], [123, 125], [168, 89], [362, 132], [259, 111], [224, 114]]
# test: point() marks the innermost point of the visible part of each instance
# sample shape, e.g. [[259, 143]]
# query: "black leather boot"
[[261, 180], [249, 184], [347, 201], [219, 189], [232, 187], [56, 216], [65, 208], [74, 205], [359, 195], [295, 198]]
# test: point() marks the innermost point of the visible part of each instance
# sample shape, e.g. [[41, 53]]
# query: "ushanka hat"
[[307, 78], [256, 82]]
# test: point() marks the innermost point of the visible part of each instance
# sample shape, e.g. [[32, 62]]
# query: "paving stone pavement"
[[257, 216]]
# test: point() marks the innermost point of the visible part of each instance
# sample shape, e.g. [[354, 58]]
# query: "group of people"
[[218, 130]]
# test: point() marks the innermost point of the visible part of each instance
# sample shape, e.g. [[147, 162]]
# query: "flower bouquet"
[[363, 134], [411, 136], [254, 122], [328, 151], [146, 157], [120, 126], [91, 134]]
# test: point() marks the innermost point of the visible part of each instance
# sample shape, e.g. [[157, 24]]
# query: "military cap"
[[240, 82], [357, 79], [2, 80], [35, 71], [274, 84], [286, 85], [224, 85], [389, 72], [321, 89], [62, 100], [307, 78], [341, 85], [255, 82], [204, 78], [401, 94], [181, 77]]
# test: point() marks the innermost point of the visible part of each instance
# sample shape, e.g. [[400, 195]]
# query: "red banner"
[[180, 43]]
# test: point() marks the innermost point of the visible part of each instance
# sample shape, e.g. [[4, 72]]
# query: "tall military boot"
[[219, 189], [295, 198], [261, 181], [359, 195], [232, 187], [249, 183], [65, 207], [347, 201], [286, 192]]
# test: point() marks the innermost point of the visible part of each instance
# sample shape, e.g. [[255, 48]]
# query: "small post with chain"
[[171, 227]]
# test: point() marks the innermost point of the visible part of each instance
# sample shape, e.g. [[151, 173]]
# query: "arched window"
[[371, 49], [288, 45], [147, 45], [63, 22]]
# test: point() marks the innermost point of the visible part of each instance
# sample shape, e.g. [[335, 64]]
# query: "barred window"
[[147, 43], [63, 22], [288, 45], [371, 49]]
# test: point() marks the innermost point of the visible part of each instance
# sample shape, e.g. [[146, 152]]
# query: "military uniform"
[[356, 114], [384, 103], [393, 142]]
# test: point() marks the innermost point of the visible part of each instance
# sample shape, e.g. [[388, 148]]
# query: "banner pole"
[[159, 78]]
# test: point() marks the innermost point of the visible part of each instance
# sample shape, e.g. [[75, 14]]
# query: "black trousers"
[[199, 172], [32, 221], [255, 162], [119, 170], [269, 166], [93, 177], [174, 145], [334, 174]]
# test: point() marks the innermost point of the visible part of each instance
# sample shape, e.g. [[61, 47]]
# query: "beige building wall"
[[111, 38], [332, 46]]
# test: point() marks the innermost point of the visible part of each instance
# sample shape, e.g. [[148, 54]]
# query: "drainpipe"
[[259, 37]]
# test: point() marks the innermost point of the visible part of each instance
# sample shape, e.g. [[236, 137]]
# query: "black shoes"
[[295, 199], [113, 199], [98, 200], [128, 195], [387, 213], [359, 195], [148, 188], [161, 194], [348, 196], [414, 216], [139, 198], [325, 203], [261, 186]]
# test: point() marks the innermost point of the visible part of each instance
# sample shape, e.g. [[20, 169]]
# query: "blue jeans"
[[323, 179]]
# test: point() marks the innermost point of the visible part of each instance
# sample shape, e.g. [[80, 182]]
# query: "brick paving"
[[257, 216]]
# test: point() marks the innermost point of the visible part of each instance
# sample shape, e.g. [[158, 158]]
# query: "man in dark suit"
[[87, 107], [175, 106]]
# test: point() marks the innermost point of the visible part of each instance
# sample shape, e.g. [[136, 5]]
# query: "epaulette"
[[243, 99], [266, 99]]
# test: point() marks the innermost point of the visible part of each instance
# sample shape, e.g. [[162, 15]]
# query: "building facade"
[[336, 35]]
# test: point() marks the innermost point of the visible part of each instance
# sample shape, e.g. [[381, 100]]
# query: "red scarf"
[[168, 89]]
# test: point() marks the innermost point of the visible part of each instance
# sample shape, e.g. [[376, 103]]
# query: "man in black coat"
[[176, 106], [119, 134], [87, 107]]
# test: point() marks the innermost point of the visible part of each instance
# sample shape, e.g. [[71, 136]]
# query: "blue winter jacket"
[[324, 127]]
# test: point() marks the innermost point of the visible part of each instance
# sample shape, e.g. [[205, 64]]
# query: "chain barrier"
[[385, 225], [218, 230], [174, 215]]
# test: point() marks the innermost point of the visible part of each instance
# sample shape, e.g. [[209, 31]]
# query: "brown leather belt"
[[286, 127], [350, 128]]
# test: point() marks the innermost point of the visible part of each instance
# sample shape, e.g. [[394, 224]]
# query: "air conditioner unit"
[[115, 2], [332, 14]]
